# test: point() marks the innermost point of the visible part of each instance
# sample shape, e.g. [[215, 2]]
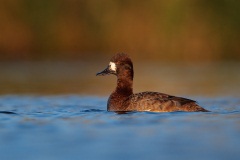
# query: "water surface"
[[57, 111], [78, 127]]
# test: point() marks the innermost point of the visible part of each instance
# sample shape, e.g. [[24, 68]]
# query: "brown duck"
[[123, 99]]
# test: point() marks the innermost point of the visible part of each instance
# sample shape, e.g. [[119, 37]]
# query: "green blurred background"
[[175, 30], [178, 46]]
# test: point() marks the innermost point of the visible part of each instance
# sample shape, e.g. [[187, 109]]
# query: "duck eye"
[[127, 66]]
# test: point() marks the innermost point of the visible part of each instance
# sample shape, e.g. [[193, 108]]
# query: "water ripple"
[[7, 112]]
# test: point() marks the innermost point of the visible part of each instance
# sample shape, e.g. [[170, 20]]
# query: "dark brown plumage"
[[123, 99]]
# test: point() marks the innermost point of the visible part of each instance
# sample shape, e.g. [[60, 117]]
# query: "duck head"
[[119, 65]]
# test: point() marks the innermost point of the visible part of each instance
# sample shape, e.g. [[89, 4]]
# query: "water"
[[57, 111], [78, 127]]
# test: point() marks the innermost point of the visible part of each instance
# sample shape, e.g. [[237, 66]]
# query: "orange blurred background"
[[178, 47], [175, 30]]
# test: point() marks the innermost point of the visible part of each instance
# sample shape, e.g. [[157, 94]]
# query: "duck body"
[[122, 99], [152, 102]]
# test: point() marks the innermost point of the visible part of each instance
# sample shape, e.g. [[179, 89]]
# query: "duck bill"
[[104, 72]]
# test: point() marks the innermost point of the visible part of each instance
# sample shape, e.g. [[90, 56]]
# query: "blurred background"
[[57, 46]]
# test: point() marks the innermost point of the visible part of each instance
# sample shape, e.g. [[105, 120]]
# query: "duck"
[[122, 99]]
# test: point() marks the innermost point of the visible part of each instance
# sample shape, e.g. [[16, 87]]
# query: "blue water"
[[75, 127]]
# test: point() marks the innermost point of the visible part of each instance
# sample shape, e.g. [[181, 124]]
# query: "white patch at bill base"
[[112, 66]]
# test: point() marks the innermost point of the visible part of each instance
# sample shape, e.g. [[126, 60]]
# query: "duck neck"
[[124, 86]]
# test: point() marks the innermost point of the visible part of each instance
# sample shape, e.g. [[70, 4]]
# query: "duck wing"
[[160, 102]]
